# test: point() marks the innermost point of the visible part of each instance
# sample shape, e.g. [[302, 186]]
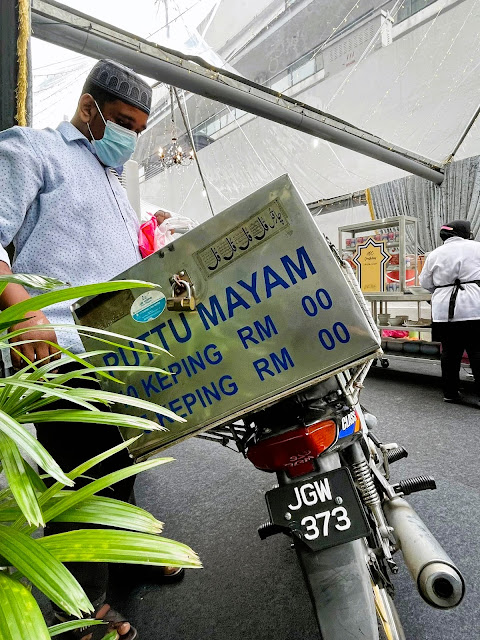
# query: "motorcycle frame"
[[349, 379], [351, 561], [338, 575]]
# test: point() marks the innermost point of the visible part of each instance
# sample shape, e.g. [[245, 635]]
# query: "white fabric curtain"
[[457, 198]]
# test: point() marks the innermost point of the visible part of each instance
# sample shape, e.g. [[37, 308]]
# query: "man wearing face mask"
[[67, 216], [452, 273]]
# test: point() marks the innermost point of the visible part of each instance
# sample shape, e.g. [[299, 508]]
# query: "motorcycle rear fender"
[[340, 589]]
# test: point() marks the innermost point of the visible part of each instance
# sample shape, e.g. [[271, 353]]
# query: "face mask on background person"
[[117, 144]]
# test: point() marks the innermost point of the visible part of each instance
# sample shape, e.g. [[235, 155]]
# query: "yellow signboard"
[[371, 258]]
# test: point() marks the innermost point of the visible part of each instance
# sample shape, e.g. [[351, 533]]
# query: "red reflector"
[[294, 451]]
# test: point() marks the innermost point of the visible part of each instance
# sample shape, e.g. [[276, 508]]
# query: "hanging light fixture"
[[173, 154]]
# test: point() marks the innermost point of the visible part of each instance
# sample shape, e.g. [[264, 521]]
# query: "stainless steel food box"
[[274, 313]]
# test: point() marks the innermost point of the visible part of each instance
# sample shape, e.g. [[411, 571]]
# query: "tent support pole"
[[464, 134]]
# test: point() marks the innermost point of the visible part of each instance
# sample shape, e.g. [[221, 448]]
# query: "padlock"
[[181, 304], [181, 298]]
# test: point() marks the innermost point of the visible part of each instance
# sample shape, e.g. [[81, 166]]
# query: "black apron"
[[457, 285]]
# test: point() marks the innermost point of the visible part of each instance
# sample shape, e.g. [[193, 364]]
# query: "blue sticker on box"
[[148, 306]]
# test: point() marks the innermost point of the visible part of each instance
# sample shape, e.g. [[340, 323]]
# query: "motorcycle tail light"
[[294, 451]]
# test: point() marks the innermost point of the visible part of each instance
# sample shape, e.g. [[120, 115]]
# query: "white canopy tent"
[[417, 89]]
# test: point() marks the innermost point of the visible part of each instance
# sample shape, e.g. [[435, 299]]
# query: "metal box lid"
[[274, 314]]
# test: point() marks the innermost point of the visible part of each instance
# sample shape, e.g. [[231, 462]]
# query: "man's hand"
[[33, 350], [12, 295]]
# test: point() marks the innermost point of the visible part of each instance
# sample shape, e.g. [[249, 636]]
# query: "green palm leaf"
[[31, 446], [110, 512], [64, 627], [9, 511], [35, 479], [37, 371], [19, 481], [33, 401], [6, 325], [34, 373], [95, 417], [53, 490], [100, 545], [20, 615], [72, 357], [30, 280], [108, 396], [53, 510], [5, 493], [88, 464], [44, 389], [11, 394], [80, 373], [92, 332], [21, 397], [46, 299], [43, 570]]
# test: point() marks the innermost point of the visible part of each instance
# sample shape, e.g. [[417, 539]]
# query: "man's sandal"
[[98, 632], [166, 575]]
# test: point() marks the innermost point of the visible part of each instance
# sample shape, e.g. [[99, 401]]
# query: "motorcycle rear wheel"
[[339, 584], [389, 625]]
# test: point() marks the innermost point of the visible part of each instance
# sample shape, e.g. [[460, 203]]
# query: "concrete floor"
[[212, 499]]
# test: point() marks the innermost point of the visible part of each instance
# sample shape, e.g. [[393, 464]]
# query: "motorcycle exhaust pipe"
[[438, 580]]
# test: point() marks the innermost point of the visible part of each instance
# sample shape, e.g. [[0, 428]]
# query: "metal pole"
[[8, 63], [192, 143], [61, 25], [339, 203], [464, 134], [9, 72]]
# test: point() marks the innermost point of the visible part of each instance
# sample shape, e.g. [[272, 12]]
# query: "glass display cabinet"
[[383, 254]]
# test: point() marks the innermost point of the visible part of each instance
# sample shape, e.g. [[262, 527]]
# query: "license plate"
[[323, 510]]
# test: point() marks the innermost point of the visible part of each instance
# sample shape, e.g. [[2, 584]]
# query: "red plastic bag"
[[154, 236], [147, 238]]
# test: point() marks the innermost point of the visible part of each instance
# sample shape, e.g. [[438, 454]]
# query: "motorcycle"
[[288, 312], [335, 501]]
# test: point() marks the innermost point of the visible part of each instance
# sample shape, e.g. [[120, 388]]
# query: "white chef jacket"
[[457, 258]]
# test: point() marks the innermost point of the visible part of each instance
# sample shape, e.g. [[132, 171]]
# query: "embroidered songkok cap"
[[121, 82]]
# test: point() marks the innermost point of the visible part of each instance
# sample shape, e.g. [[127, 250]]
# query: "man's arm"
[[38, 350], [426, 277], [21, 180]]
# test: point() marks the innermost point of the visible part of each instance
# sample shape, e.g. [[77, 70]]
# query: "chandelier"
[[173, 154]]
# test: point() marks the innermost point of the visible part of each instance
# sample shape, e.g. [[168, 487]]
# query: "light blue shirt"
[[67, 215]]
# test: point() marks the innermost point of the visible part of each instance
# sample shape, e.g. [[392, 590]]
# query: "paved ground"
[[213, 500]]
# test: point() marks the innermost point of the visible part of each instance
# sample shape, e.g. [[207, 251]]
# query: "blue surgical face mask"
[[117, 144]]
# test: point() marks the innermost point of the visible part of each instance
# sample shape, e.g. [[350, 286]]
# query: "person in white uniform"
[[452, 273]]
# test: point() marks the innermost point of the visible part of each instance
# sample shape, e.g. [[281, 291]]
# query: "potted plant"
[[27, 503]]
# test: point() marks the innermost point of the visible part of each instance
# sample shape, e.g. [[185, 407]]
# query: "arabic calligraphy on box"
[[259, 228]]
